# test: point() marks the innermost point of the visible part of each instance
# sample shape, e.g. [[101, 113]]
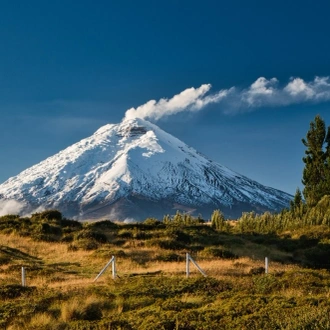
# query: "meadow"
[[151, 291]]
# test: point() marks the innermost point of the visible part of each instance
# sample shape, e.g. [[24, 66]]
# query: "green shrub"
[[170, 257], [46, 228], [87, 244], [257, 271], [178, 235], [48, 215], [91, 235], [67, 238], [218, 252], [71, 224], [12, 291], [265, 284], [104, 224], [166, 244], [125, 233], [4, 259], [45, 237], [141, 235], [118, 242]]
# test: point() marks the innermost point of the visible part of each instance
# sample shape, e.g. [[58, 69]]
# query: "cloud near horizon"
[[10, 207], [262, 92]]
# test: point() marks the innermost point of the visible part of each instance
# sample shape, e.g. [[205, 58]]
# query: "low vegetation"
[[62, 258]]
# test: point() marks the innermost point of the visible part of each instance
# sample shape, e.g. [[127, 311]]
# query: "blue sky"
[[68, 67]]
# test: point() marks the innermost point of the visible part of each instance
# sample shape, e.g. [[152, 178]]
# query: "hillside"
[[62, 258]]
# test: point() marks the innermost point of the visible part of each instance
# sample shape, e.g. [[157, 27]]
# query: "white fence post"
[[112, 260], [189, 258], [114, 267], [266, 265], [23, 277]]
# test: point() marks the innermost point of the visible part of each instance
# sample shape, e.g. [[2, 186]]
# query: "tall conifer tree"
[[316, 176]]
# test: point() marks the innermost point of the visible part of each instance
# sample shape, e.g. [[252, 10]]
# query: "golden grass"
[[41, 320], [68, 269]]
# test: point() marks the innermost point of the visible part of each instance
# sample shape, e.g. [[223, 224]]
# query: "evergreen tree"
[[316, 177], [297, 200], [218, 220], [297, 205]]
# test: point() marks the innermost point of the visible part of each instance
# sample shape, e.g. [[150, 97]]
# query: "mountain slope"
[[135, 169]]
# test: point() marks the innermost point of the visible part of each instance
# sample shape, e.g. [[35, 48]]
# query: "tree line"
[[312, 205]]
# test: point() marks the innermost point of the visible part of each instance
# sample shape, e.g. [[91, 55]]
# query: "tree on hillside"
[[297, 198], [316, 176], [218, 221], [297, 206]]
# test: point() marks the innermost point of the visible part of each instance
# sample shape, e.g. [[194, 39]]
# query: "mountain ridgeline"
[[136, 170]]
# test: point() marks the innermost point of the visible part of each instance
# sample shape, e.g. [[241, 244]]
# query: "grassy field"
[[151, 291]]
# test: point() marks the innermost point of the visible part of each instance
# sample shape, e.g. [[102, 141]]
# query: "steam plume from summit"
[[192, 99], [261, 93]]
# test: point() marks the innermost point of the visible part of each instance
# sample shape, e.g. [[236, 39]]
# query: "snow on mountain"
[[135, 169]]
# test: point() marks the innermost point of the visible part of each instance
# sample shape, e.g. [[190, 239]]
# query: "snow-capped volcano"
[[135, 169]]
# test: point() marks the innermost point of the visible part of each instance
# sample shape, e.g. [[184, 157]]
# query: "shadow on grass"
[[17, 254], [304, 251]]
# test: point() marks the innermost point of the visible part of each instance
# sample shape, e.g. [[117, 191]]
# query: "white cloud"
[[265, 92], [261, 93], [298, 87], [10, 207]]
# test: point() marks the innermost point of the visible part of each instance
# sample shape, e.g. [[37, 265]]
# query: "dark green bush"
[[87, 244], [45, 237], [67, 238], [218, 252], [46, 228], [14, 291], [91, 235], [4, 259], [104, 224], [118, 242], [177, 235], [169, 257], [257, 271], [141, 235], [11, 224], [7, 217], [71, 224], [48, 215], [125, 233], [166, 244]]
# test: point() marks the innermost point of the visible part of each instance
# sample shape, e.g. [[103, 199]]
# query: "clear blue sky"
[[68, 67]]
